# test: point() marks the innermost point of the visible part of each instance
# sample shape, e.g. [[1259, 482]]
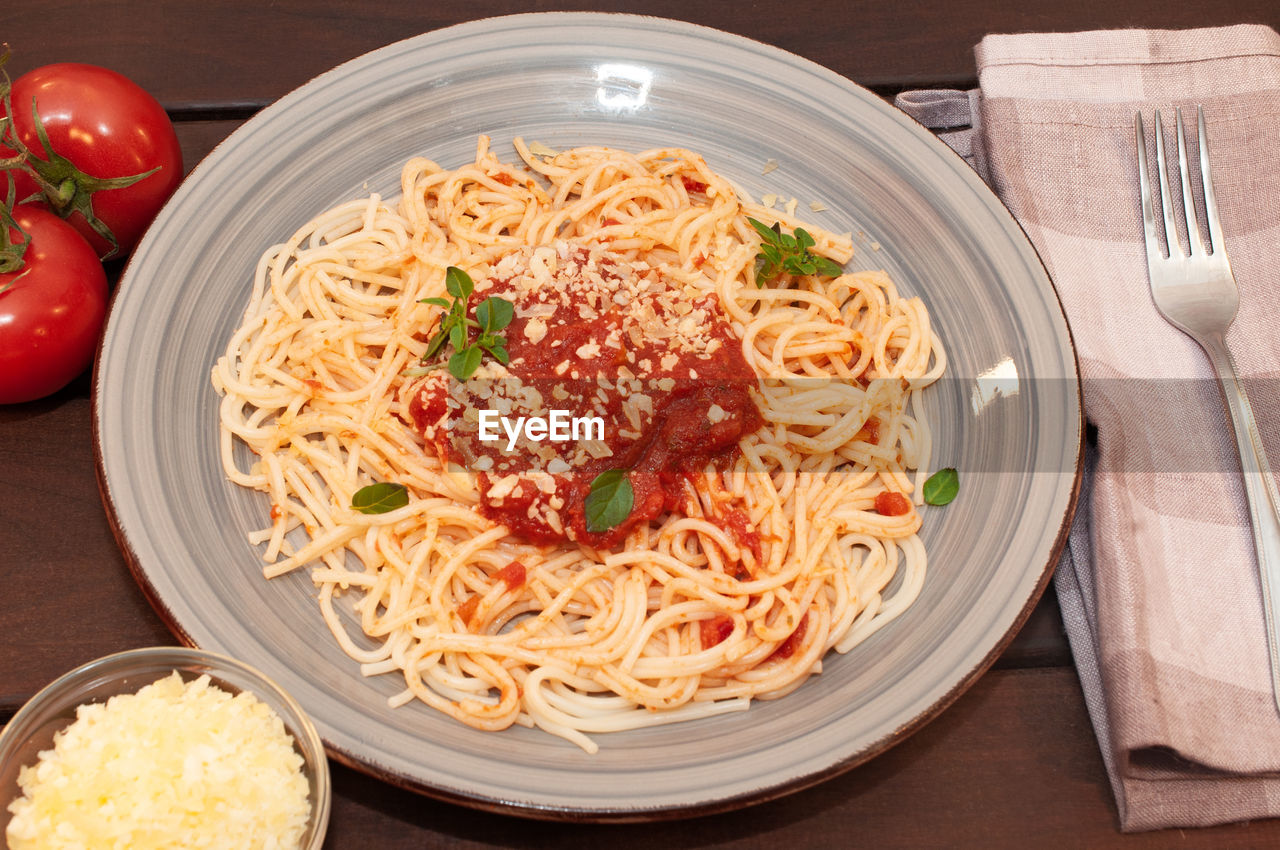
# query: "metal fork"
[[1197, 294]]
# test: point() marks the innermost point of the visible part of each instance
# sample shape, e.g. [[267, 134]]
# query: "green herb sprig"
[[492, 315], [789, 252], [610, 500]]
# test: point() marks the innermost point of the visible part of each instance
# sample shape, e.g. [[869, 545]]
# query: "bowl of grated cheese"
[[163, 747]]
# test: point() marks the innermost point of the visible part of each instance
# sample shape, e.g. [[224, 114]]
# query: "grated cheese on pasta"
[[176, 765]]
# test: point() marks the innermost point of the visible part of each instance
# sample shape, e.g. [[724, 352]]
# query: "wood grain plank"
[[68, 597], [198, 138], [1012, 764], [242, 54], [1042, 640]]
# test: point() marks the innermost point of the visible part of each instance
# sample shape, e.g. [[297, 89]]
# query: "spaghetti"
[[795, 537]]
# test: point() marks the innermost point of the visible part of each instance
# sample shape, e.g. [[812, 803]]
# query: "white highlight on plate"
[[1000, 381], [622, 87]]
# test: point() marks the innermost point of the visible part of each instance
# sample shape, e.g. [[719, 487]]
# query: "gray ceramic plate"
[[1008, 415]]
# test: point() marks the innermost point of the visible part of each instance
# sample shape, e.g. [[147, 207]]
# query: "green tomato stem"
[[63, 194]]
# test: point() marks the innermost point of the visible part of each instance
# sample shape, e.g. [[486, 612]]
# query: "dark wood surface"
[[1012, 763]]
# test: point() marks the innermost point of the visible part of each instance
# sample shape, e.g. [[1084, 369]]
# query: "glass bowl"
[[32, 729]]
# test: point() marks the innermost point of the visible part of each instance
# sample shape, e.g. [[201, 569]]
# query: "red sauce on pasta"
[[788, 647], [715, 630], [602, 339], [889, 503]]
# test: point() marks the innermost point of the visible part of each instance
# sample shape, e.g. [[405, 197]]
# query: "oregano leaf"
[[788, 252]]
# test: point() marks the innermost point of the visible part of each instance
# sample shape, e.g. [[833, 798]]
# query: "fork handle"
[[1260, 493]]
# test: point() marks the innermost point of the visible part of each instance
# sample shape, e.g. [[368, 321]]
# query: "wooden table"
[[1013, 762]]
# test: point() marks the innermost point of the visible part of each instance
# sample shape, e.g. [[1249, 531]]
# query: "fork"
[[1196, 292]]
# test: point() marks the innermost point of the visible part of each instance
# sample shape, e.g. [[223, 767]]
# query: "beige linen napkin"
[[1159, 589]]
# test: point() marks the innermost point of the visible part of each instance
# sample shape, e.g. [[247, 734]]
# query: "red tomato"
[[51, 310], [107, 127]]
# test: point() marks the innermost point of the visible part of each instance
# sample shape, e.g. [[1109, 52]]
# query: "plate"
[[1008, 415]]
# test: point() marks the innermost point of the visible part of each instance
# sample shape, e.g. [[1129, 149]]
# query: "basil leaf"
[[494, 313], [503, 312], [458, 282], [942, 486], [610, 500], [766, 272], [484, 313], [828, 267], [380, 498], [463, 364], [801, 265], [499, 352], [789, 252], [766, 232], [437, 343], [458, 337]]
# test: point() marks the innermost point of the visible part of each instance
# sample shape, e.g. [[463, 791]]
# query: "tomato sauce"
[[512, 575], [606, 340], [889, 503], [788, 647], [715, 630], [467, 609], [869, 432], [693, 186]]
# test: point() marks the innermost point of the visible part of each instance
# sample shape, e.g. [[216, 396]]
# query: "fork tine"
[[1166, 199], [1194, 243], [1210, 199], [1144, 190]]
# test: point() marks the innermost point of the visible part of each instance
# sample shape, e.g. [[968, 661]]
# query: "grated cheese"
[[176, 765]]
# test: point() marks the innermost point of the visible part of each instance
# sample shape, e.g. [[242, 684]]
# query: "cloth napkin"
[[1159, 587]]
